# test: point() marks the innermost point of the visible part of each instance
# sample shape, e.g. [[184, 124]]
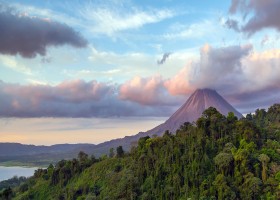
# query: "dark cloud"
[[163, 59], [263, 14], [232, 24], [71, 99], [249, 101], [218, 67], [28, 36], [233, 6]]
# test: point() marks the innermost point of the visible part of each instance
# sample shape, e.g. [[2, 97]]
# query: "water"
[[9, 172]]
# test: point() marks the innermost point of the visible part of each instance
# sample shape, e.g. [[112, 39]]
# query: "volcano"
[[192, 109]]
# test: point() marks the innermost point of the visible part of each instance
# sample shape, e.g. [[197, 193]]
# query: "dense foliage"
[[12, 182], [217, 158]]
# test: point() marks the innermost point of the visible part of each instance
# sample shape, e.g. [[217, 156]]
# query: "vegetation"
[[217, 158], [12, 182]]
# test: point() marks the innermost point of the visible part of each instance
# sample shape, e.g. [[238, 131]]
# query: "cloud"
[[75, 98], [262, 14], [180, 84], [249, 101], [182, 31], [219, 66], [147, 91], [234, 71], [29, 36], [248, 79], [111, 20], [70, 98], [262, 70], [163, 59], [232, 24]]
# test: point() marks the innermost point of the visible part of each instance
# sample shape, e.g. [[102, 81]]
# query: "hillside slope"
[[220, 158]]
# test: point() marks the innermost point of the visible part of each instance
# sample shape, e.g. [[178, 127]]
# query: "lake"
[[9, 172]]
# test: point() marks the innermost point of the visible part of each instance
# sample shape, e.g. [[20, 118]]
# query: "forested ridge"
[[218, 157]]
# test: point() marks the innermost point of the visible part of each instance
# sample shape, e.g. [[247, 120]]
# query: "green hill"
[[217, 158]]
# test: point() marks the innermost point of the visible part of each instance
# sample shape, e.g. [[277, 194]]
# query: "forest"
[[217, 157]]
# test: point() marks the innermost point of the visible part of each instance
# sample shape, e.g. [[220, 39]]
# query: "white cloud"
[[194, 30], [107, 18], [109, 21], [37, 82], [47, 14]]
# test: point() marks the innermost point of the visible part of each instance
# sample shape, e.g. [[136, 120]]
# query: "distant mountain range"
[[17, 149], [190, 111], [31, 155]]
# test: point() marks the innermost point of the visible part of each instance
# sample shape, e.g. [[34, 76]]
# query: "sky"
[[91, 71]]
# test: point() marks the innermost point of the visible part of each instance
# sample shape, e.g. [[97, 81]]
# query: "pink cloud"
[[180, 84], [146, 91]]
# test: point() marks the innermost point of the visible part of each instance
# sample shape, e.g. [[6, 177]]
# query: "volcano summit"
[[192, 109]]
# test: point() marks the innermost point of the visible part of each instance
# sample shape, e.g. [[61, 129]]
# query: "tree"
[[274, 113], [231, 117], [251, 187], [8, 194], [111, 153], [224, 161], [222, 188], [264, 160], [82, 156], [120, 151], [211, 111]]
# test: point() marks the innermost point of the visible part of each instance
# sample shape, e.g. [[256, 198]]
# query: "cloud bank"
[[75, 98], [247, 78], [30, 36]]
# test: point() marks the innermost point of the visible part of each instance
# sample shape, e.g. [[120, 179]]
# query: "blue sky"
[[120, 29], [99, 59]]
